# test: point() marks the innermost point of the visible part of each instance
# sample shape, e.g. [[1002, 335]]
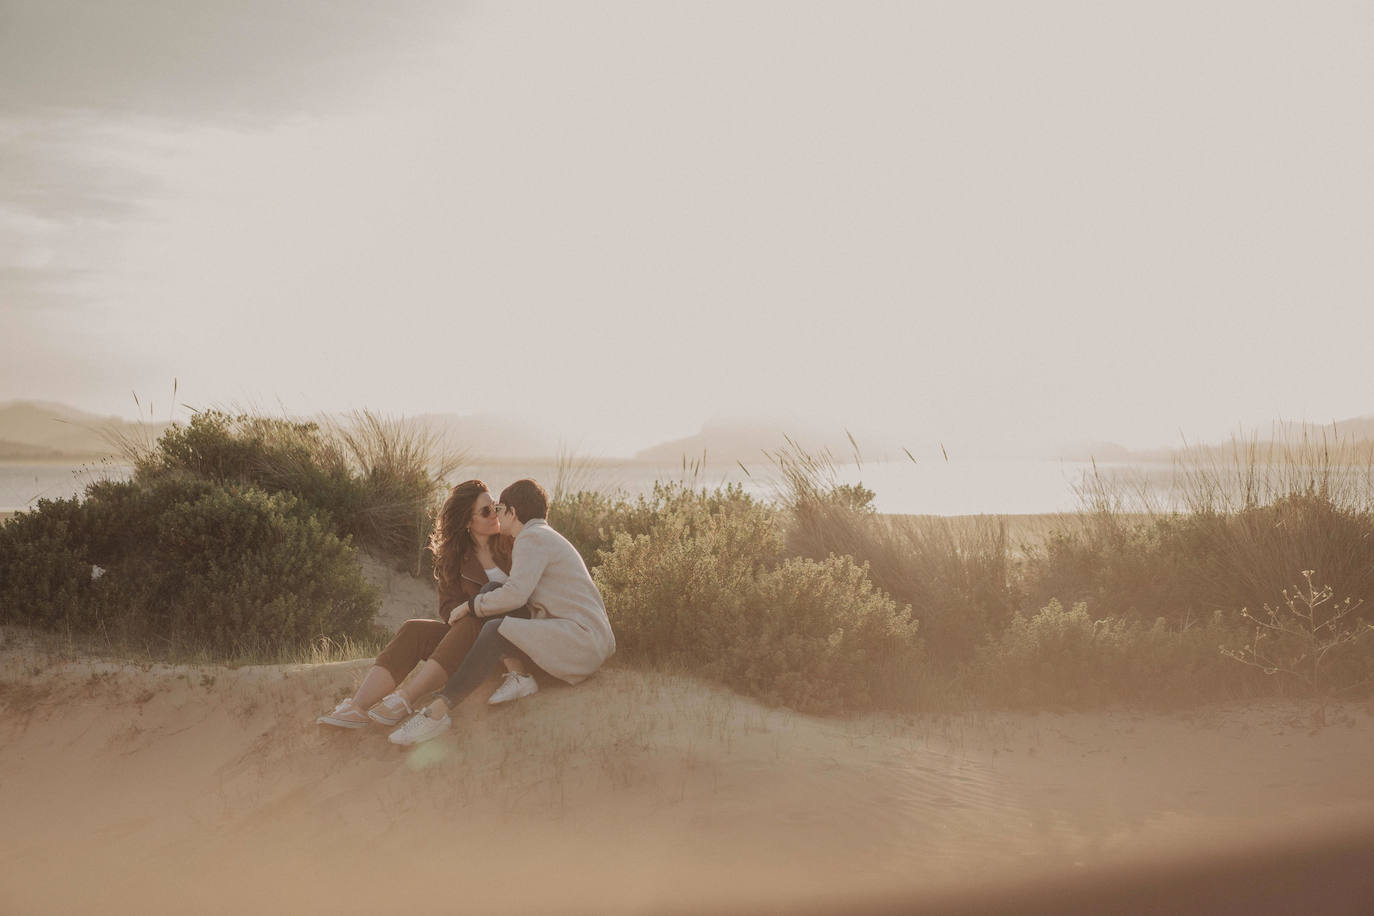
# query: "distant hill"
[[489, 436], [1356, 429], [48, 431], [1300, 438], [1276, 437], [44, 430], [1111, 451], [726, 440], [743, 439], [25, 451]]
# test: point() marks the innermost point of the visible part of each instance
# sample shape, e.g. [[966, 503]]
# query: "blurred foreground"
[[135, 789]]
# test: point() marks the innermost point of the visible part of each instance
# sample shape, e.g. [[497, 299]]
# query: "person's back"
[[568, 633]]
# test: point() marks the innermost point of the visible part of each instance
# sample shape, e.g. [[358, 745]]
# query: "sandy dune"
[[212, 791]]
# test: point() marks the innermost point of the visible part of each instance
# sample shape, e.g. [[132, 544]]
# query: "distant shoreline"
[[66, 460], [1018, 519]]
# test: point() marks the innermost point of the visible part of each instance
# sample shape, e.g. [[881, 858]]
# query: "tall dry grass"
[[402, 468], [956, 576], [1234, 527], [1250, 472], [1155, 578]]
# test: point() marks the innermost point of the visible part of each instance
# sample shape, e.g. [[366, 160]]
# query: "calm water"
[[23, 485], [966, 487]]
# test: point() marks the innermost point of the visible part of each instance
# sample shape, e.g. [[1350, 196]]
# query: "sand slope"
[[212, 790]]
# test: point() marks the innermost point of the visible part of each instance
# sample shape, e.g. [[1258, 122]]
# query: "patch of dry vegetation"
[[810, 599], [1130, 601]]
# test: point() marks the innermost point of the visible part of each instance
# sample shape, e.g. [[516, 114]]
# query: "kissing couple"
[[513, 594]]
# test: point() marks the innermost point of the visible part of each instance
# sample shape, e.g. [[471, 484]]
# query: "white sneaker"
[[515, 686], [420, 727], [345, 715]]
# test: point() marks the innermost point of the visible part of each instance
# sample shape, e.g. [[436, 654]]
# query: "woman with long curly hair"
[[470, 553]]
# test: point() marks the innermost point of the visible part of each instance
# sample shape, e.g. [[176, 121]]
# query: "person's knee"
[[410, 629], [403, 638], [464, 627]]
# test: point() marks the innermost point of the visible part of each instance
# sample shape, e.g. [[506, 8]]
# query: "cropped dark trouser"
[[448, 644]]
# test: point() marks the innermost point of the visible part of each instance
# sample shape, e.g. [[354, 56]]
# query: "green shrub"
[[43, 577], [273, 453], [1058, 657], [1107, 562], [706, 588], [374, 479], [1053, 656], [820, 638], [1184, 566], [190, 565], [591, 520], [252, 570], [668, 589]]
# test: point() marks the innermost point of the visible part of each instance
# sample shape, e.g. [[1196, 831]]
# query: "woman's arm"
[[526, 569], [450, 597]]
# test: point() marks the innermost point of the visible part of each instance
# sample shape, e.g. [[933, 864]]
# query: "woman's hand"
[[460, 612]]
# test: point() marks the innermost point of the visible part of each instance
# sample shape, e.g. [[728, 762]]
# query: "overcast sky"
[[977, 223]]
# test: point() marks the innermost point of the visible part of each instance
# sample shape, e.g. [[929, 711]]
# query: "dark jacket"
[[452, 594]]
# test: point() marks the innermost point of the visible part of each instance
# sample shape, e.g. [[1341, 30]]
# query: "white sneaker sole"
[[383, 720], [497, 699], [407, 740], [340, 723]]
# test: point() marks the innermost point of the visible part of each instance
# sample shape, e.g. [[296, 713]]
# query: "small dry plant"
[[573, 473], [1295, 637], [323, 651]]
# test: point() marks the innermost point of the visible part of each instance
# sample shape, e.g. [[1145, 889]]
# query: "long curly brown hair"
[[450, 540]]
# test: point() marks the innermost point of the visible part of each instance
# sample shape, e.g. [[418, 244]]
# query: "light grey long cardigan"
[[568, 633]]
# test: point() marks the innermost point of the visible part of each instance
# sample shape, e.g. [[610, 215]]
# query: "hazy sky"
[[977, 223]]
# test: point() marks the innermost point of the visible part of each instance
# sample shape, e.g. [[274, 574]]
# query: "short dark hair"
[[527, 499]]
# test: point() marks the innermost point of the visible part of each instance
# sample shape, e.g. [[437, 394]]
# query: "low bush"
[[591, 520], [819, 637], [1066, 658], [706, 587], [43, 574], [957, 580], [274, 454], [668, 588], [189, 565], [1184, 566], [372, 478], [1107, 562]]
